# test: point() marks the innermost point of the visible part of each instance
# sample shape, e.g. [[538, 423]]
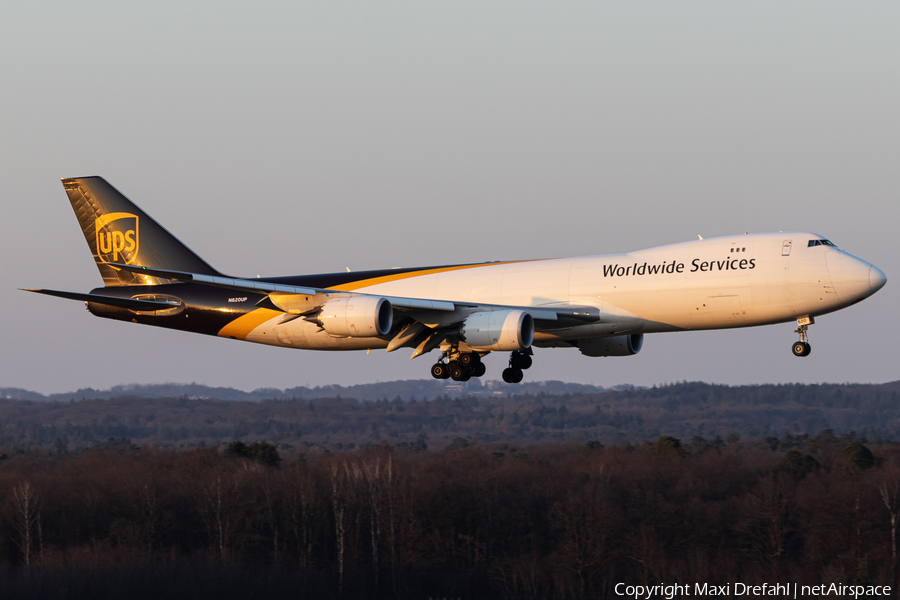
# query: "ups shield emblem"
[[117, 237]]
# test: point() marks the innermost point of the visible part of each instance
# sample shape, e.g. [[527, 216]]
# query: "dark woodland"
[[449, 498], [539, 414]]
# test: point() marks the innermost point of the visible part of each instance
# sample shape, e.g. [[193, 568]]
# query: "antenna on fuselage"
[[700, 236]]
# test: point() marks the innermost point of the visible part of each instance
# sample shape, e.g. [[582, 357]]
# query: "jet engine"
[[356, 316], [498, 330], [620, 345]]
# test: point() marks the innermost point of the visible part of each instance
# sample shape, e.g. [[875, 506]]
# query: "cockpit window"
[[820, 243]]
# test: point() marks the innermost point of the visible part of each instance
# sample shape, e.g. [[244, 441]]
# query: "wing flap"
[[417, 304], [570, 312]]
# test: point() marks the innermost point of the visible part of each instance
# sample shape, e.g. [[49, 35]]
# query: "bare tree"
[[302, 508], [150, 508], [229, 511], [889, 495], [214, 503], [272, 496], [339, 485], [766, 520], [579, 521], [377, 473], [28, 517], [392, 519]]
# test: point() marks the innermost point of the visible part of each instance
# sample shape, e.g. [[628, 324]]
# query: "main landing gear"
[[518, 362], [802, 348], [462, 366]]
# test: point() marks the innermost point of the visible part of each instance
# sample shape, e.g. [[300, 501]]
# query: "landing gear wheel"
[[440, 371], [479, 370], [512, 375], [801, 349], [458, 372], [469, 359], [520, 361]]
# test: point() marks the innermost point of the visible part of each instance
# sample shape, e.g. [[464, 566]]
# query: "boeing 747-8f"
[[602, 305]]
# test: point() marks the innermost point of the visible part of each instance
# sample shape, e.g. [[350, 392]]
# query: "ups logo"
[[117, 237]]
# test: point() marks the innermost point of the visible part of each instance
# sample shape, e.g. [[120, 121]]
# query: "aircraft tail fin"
[[117, 231]]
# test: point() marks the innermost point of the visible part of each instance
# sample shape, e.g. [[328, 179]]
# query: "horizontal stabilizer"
[[129, 303]]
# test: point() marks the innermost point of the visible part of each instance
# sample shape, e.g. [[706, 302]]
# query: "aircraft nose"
[[877, 278], [853, 278]]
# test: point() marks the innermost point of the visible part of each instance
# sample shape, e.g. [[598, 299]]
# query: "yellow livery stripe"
[[355, 285], [241, 327]]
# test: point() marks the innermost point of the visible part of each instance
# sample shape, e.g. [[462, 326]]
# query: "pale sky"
[[280, 138]]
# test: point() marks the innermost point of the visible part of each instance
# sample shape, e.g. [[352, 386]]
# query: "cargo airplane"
[[601, 305]]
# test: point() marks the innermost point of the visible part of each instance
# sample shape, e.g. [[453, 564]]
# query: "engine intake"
[[498, 330], [620, 345], [357, 316]]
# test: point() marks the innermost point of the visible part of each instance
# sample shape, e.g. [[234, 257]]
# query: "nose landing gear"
[[802, 348]]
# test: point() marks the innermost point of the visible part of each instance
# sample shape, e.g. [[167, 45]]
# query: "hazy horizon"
[[281, 139], [479, 381]]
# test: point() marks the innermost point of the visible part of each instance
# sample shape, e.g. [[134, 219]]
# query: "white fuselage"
[[725, 282]]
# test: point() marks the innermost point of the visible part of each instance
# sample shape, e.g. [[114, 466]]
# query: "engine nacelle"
[[620, 345], [357, 316], [498, 330]]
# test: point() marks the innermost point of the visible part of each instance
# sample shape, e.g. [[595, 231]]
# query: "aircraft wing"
[[250, 285], [286, 297], [430, 319]]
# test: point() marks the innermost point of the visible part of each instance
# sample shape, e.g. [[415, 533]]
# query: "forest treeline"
[[682, 410], [401, 388], [491, 521]]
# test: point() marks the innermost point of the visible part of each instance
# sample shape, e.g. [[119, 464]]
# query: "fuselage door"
[[786, 248]]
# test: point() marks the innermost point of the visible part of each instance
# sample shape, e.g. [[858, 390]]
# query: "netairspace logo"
[[789, 590]]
